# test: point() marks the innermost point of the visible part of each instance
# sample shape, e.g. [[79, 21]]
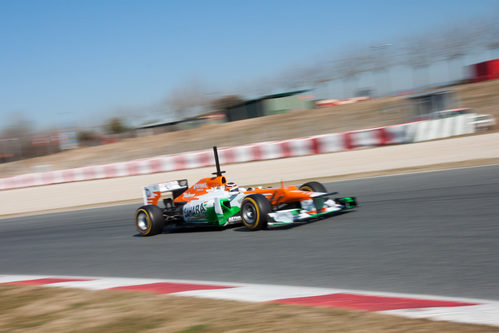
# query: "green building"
[[271, 104]]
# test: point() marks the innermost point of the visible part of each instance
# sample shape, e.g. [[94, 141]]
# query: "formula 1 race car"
[[215, 202]]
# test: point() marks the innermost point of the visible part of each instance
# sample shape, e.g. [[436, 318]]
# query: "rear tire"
[[149, 220], [254, 211]]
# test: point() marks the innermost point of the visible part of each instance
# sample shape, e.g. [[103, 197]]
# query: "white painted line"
[[483, 314], [100, 284], [13, 278], [257, 293]]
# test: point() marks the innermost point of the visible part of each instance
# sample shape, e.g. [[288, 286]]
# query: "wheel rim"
[[142, 222], [249, 214]]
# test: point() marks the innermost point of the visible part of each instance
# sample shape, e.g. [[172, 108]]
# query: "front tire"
[[254, 211], [149, 220], [313, 187]]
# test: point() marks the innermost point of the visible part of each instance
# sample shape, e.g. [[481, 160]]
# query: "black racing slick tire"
[[313, 187], [254, 211], [149, 220]]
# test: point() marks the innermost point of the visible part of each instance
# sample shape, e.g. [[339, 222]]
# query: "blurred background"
[[94, 82]]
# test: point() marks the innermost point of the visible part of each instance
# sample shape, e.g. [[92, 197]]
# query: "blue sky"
[[79, 61]]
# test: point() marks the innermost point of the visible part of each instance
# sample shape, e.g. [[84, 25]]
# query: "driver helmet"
[[231, 187]]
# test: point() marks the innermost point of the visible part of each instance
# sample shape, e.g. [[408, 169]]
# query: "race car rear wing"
[[152, 193]]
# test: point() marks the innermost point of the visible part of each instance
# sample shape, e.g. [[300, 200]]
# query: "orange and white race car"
[[214, 201]]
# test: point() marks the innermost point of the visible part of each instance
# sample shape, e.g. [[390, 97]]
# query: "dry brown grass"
[[39, 309], [484, 97]]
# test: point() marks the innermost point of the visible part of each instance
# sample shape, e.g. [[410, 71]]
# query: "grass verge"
[[44, 309]]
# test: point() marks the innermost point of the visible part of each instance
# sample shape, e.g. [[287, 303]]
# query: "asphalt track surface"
[[427, 233]]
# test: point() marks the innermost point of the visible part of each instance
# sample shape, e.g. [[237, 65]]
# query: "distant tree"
[[115, 126], [321, 74], [302, 76], [289, 78], [343, 72], [350, 64], [490, 35], [222, 103], [381, 58], [18, 125], [16, 136], [419, 52], [87, 137], [454, 43], [190, 94]]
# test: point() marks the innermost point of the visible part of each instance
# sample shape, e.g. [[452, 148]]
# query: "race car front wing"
[[310, 209]]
